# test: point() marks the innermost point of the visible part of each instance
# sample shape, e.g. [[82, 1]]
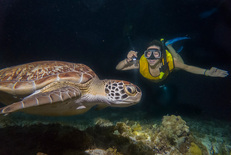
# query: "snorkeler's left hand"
[[215, 72]]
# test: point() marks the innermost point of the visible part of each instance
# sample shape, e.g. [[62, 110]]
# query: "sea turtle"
[[57, 88]]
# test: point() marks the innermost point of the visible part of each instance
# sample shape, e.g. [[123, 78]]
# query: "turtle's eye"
[[129, 89]]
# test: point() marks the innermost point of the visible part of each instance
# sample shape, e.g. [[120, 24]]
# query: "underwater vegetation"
[[170, 137]]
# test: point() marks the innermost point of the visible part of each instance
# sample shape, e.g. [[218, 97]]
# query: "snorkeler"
[[158, 61]]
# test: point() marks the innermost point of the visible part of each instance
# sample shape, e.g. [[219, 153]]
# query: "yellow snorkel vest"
[[144, 68]]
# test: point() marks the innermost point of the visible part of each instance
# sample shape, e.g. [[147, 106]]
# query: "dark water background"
[[95, 32]]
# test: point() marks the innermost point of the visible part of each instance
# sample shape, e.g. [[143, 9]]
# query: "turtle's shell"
[[23, 80]]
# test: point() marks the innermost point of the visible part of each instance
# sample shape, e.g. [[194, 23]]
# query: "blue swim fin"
[[180, 49], [169, 42]]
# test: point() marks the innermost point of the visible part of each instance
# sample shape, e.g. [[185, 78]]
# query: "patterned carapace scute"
[[26, 78], [43, 70]]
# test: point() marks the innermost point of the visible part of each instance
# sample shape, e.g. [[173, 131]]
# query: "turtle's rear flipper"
[[38, 99]]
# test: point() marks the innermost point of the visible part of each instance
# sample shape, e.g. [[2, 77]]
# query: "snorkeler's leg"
[[175, 54]]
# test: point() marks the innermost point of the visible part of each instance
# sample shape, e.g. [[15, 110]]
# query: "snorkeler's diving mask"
[[152, 53]]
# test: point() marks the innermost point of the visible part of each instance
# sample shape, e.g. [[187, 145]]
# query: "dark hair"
[[156, 43]]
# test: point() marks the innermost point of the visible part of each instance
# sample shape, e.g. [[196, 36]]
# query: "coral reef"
[[194, 149], [109, 151], [103, 122], [171, 136], [213, 134]]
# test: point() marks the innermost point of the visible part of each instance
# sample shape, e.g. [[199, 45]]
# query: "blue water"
[[100, 33]]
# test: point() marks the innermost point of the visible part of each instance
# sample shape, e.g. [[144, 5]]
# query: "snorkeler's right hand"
[[131, 55]]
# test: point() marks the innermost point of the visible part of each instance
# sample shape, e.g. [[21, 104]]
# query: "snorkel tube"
[[164, 67]]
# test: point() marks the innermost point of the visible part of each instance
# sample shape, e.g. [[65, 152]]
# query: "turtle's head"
[[122, 93]]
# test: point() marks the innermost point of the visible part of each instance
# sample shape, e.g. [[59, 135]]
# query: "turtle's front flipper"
[[57, 95]]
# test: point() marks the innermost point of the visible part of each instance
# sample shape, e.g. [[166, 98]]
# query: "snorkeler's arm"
[[128, 63], [213, 72]]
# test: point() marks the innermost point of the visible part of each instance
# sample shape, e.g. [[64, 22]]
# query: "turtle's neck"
[[97, 87]]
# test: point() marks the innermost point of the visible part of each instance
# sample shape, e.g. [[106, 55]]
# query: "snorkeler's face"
[[156, 54]]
